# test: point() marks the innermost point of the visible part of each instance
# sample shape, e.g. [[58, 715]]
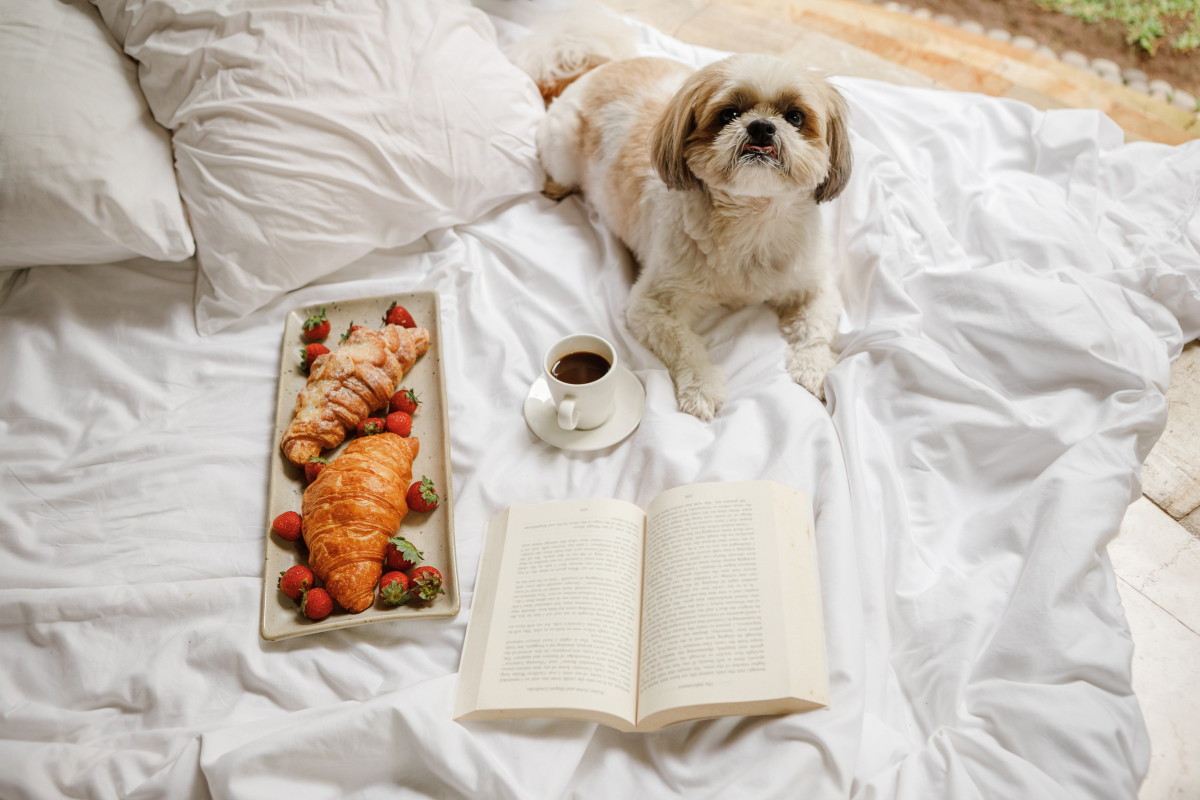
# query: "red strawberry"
[[401, 554], [316, 603], [313, 468], [424, 584], [287, 525], [316, 327], [349, 331], [296, 581], [309, 354], [399, 423], [393, 588], [422, 496], [371, 426], [404, 400], [398, 315]]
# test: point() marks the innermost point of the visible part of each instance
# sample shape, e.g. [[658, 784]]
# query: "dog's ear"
[[837, 137], [670, 136]]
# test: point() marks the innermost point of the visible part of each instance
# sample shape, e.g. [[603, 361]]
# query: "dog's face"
[[754, 125]]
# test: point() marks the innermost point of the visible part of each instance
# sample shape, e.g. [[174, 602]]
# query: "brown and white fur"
[[712, 178]]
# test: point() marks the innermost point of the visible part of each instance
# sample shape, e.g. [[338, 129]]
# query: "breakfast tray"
[[432, 533]]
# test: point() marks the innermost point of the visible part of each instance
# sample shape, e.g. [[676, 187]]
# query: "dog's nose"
[[761, 131]]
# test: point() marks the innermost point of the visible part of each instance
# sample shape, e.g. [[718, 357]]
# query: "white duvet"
[[1015, 284]]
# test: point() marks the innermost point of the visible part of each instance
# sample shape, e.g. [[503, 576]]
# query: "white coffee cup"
[[580, 371]]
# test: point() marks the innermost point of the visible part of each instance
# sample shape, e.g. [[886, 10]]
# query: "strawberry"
[[349, 331], [393, 588], [405, 400], [296, 581], [309, 354], [313, 468], [399, 423], [422, 496], [398, 315], [401, 554], [371, 426], [316, 327], [424, 584], [287, 525], [316, 603]]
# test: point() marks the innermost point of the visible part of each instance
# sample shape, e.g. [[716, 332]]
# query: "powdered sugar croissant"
[[346, 385], [351, 509]]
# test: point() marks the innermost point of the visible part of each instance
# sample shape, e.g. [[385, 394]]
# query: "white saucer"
[[542, 417]]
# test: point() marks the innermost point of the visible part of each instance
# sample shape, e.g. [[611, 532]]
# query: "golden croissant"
[[351, 509], [346, 385]]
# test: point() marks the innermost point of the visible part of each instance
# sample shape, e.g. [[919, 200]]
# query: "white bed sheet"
[[1015, 286]]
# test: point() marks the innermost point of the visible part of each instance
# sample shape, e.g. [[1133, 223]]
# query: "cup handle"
[[568, 415]]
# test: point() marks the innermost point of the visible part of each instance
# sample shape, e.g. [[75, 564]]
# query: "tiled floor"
[[1157, 561], [1157, 553]]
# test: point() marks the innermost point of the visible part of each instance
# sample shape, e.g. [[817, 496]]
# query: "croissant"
[[351, 509], [346, 385]]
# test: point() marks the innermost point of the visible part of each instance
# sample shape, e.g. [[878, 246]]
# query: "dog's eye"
[[795, 117], [728, 115]]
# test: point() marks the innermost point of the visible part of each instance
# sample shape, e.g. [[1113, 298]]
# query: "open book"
[[706, 605]]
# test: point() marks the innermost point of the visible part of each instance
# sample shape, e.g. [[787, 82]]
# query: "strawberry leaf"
[[314, 320], [406, 550]]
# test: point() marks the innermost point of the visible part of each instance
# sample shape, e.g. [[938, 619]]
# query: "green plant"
[[1145, 21]]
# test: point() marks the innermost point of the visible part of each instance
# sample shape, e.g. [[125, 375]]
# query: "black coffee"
[[580, 367]]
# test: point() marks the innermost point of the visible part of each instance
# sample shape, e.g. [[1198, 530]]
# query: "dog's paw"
[[808, 367], [701, 397], [557, 191]]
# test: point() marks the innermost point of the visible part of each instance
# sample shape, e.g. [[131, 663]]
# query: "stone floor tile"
[[1165, 655], [1157, 556], [665, 15], [1171, 474]]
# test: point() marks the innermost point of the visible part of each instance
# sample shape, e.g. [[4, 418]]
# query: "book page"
[[731, 615], [562, 629]]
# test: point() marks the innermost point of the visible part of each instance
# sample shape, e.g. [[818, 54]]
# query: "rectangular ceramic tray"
[[432, 533]]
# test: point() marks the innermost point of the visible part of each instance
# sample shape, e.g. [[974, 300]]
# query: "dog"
[[711, 177]]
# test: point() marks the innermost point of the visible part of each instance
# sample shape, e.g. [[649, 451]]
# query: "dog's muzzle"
[[762, 138]]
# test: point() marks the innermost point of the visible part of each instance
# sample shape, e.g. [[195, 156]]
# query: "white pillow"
[[308, 134], [85, 173]]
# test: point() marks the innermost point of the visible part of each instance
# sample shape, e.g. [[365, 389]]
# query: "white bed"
[[1015, 285]]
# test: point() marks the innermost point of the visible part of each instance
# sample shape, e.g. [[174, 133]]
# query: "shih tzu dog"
[[712, 178]]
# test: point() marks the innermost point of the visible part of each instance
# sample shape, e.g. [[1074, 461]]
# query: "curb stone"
[[1075, 59]]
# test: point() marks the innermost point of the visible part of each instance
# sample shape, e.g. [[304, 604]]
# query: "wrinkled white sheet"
[[1015, 285]]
